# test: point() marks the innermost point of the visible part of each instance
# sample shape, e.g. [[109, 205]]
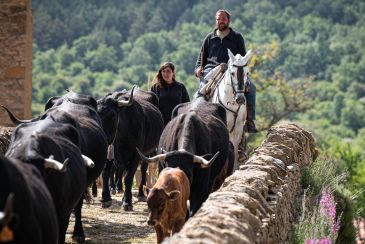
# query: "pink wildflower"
[[328, 206], [335, 227], [326, 241], [311, 241], [321, 241]]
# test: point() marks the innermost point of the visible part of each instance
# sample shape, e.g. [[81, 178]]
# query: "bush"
[[327, 209]]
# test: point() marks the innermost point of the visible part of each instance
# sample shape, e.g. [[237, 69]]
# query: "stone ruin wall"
[[15, 59], [257, 203]]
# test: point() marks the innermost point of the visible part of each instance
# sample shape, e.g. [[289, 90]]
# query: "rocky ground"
[[113, 225]]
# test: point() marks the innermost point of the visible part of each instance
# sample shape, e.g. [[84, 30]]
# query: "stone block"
[[14, 73]]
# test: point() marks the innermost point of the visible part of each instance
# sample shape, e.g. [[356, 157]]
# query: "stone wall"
[[256, 203], [15, 58]]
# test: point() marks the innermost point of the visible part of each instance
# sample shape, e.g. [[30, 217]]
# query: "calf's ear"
[[146, 190], [173, 195]]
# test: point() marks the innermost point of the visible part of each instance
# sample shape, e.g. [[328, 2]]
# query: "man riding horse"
[[214, 51]]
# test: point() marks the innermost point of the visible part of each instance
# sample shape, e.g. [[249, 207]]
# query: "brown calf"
[[167, 202]]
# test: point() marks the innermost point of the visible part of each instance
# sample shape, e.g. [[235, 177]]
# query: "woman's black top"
[[169, 96]]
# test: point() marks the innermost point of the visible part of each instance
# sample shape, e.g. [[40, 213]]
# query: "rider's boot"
[[250, 124]]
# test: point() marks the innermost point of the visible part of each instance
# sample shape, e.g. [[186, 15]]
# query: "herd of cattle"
[[52, 159]]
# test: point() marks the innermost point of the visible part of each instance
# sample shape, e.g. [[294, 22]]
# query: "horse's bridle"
[[240, 73], [238, 91]]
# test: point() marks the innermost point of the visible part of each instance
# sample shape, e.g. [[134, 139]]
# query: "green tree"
[[102, 58], [353, 115], [338, 104]]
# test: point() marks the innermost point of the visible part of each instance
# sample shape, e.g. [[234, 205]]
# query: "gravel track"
[[113, 225]]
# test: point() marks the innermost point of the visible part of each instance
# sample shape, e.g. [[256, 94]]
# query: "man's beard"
[[222, 27]]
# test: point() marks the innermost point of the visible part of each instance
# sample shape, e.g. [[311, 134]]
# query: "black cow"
[[93, 142], [46, 143], [197, 128], [93, 139], [130, 120], [27, 212]]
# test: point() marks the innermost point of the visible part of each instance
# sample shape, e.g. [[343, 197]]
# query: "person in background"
[[214, 52], [170, 93], [168, 90]]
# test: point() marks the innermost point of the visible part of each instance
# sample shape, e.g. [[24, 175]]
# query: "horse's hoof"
[[127, 207], [112, 191], [141, 199], [106, 204], [78, 239]]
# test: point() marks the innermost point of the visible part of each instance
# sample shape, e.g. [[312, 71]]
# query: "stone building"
[[15, 59]]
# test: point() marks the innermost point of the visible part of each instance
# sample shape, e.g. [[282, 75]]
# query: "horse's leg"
[[235, 141], [242, 146]]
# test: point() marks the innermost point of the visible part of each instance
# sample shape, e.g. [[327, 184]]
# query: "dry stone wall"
[[15, 58], [256, 203]]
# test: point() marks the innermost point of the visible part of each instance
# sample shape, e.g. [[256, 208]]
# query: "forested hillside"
[[308, 63]]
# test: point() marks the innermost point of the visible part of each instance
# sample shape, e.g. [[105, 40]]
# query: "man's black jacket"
[[214, 49]]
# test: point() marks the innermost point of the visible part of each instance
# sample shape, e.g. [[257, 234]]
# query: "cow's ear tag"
[[6, 234]]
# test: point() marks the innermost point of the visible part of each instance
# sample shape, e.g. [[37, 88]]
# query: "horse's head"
[[238, 69]]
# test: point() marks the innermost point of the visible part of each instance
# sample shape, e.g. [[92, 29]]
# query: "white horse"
[[229, 92]]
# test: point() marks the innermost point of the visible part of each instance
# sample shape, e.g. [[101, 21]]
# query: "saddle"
[[212, 79]]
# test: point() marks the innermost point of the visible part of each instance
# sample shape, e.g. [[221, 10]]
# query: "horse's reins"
[[213, 83], [235, 113]]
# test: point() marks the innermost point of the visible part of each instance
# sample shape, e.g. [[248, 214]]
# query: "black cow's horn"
[[203, 162], [54, 164], [122, 103], [14, 119], [152, 159], [88, 161], [5, 217]]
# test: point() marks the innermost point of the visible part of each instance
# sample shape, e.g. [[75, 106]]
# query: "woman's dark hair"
[[158, 77]]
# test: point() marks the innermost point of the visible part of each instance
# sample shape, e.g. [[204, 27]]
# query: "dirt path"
[[113, 225]]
